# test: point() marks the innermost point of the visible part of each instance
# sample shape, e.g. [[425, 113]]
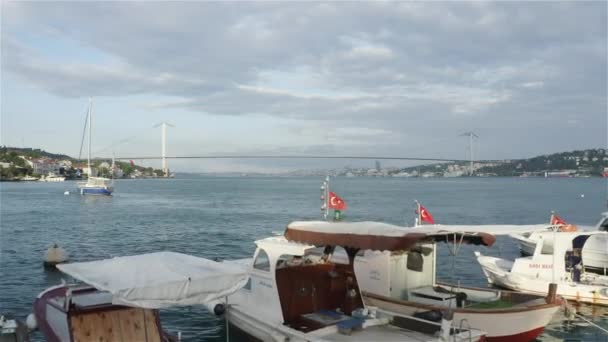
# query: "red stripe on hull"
[[523, 337]]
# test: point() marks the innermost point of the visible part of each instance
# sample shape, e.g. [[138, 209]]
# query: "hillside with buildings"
[[17, 163], [585, 163]]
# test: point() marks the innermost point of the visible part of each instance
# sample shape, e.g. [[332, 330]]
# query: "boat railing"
[[467, 327], [453, 330]]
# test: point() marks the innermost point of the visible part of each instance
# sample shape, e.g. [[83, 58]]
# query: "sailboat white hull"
[[498, 272]]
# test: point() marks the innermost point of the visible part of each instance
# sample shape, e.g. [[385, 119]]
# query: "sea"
[[221, 217]]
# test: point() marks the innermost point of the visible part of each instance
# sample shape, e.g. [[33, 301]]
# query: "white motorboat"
[[29, 178], [52, 177], [595, 261], [563, 266], [288, 292]]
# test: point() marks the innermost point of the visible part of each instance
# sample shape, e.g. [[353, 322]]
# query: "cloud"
[[404, 70]]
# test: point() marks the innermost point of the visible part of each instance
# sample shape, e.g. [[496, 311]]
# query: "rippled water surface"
[[222, 216]]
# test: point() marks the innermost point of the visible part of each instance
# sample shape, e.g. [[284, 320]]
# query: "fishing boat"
[[563, 266], [287, 292], [297, 293], [67, 313], [94, 185], [406, 282]]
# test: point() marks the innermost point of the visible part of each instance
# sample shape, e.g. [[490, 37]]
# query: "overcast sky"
[[361, 78]]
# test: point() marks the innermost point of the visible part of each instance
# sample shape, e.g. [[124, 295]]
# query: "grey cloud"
[[407, 68]]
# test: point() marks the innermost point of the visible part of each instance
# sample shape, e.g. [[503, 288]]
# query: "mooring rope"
[[590, 322]]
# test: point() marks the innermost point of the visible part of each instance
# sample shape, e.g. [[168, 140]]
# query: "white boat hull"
[[498, 272], [515, 325]]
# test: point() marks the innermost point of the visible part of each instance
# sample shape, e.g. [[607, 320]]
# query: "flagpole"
[[326, 197], [417, 221]]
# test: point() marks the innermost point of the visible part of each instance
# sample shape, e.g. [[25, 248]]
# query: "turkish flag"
[[425, 216], [556, 220], [335, 202]]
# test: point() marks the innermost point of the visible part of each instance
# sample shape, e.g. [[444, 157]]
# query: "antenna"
[[164, 125], [470, 134]]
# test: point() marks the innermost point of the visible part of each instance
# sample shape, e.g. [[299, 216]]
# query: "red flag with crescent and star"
[[335, 202], [557, 221], [425, 216]]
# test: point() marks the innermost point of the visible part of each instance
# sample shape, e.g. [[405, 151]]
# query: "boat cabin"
[[312, 290]]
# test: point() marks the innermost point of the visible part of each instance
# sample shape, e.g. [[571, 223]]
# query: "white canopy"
[[159, 280]]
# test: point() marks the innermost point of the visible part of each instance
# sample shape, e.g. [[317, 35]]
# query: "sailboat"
[[94, 185]]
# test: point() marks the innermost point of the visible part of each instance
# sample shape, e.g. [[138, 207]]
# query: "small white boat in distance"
[[563, 266], [52, 177]]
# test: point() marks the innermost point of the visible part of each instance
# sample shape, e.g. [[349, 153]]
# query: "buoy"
[[66, 193], [582, 195], [31, 322], [55, 255]]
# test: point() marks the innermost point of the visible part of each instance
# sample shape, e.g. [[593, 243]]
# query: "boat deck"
[[379, 333]]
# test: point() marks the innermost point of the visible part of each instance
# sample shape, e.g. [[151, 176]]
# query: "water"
[[222, 216]]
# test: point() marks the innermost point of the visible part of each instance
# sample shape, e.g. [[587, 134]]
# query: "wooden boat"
[[563, 266], [82, 313]]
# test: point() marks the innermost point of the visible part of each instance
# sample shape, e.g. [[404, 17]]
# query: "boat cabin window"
[[261, 261], [604, 225], [415, 261]]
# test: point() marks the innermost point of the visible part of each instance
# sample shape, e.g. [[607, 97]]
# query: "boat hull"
[[96, 191], [517, 324], [498, 272]]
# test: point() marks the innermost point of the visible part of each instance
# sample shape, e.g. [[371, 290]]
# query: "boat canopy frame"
[[367, 235]]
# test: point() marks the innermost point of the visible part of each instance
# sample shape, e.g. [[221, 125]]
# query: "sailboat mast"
[[90, 122]]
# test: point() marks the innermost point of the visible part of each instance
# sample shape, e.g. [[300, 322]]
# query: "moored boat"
[[287, 292], [297, 291], [406, 282], [94, 185], [82, 313], [596, 260], [563, 266]]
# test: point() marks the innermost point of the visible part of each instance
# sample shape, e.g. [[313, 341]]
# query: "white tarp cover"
[[159, 280], [385, 229]]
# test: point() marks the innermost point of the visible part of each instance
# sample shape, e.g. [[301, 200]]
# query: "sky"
[[303, 78]]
